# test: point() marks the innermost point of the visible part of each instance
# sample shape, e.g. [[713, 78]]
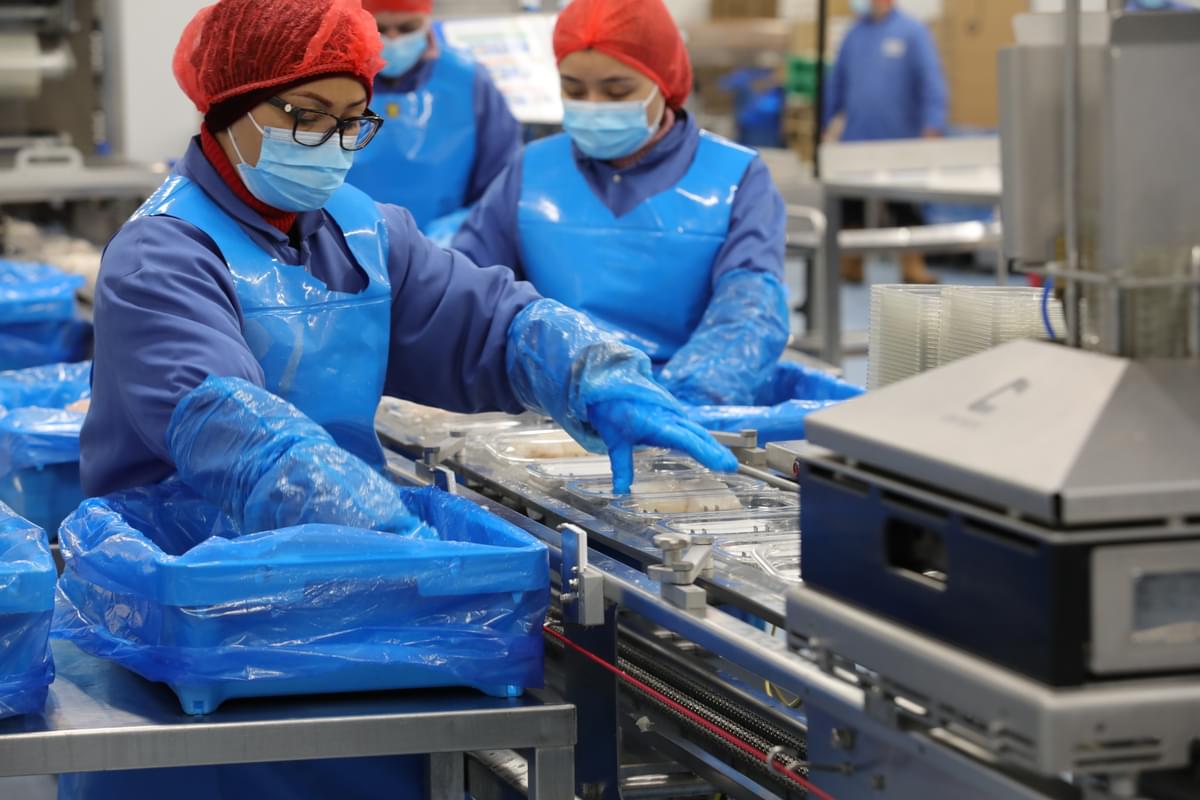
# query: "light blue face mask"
[[860, 7], [290, 176], [608, 130], [403, 52]]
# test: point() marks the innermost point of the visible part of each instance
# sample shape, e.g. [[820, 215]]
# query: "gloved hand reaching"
[[600, 391], [268, 466]]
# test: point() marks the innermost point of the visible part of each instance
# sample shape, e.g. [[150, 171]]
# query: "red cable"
[[693, 716]]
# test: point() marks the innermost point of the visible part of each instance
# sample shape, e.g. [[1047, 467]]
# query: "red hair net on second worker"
[[638, 33], [415, 6], [235, 47]]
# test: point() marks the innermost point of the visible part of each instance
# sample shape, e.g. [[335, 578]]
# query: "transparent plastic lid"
[[745, 547], [599, 468], [527, 446], [663, 485]]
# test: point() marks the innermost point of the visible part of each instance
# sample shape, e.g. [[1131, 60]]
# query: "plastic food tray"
[[424, 426], [26, 607], [306, 610], [780, 559], [649, 509], [598, 492], [555, 473], [525, 447]]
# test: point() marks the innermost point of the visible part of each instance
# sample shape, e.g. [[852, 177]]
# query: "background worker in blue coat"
[[449, 131], [663, 233], [887, 83], [1158, 5], [255, 263]]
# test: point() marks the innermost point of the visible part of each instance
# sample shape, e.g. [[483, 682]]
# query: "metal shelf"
[[101, 717]]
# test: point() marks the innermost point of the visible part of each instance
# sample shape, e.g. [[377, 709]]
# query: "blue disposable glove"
[[599, 390], [268, 466], [777, 423], [791, 381], [736, 345]]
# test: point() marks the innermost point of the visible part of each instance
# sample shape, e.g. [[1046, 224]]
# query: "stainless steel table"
[[919, 171], [101, 717]]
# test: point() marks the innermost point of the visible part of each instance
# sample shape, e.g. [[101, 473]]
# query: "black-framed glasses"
[[313, 128]]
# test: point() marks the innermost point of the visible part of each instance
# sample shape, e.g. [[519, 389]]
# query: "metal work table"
[[101, 717], [921, 171]]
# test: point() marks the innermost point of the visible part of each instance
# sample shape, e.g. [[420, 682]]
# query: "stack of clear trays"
[[425, 426], [904, 331], [712, 495], [647, 466], [978, 318]]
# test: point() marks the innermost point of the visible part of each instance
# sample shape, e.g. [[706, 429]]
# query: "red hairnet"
[[639, 33], [235, 47], [417, 6]]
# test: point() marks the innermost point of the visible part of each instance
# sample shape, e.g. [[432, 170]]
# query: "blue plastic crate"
[[158, 581], [43, 495], [37, 316], [27, 576], [39, 441]]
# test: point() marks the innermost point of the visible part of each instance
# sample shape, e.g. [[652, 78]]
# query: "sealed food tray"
[[555, 473], [27, 574], [425, 426], [651, 508], [598, 492], [521, 448], [159, 581]]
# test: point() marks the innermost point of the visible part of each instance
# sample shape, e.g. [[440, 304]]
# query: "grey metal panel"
[[1031, 122], [1063, 436], [1097, 728], [100, 717]]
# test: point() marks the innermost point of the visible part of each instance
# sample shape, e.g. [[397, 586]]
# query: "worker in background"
[[887, 83], [255, 263], [665, 234], [1158, 5], [449, 131]]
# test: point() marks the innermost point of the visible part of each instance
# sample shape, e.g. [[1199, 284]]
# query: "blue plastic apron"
[[646, 275], [323, 351], [423, 155]]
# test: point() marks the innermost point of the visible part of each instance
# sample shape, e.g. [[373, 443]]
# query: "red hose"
[[744, 746]]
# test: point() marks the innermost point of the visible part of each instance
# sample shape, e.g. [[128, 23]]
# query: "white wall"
[[151, 118]]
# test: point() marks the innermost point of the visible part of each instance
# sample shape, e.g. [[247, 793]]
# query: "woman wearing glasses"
[[255, 262]]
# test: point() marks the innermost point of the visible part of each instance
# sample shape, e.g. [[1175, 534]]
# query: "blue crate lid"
[[27, 573]]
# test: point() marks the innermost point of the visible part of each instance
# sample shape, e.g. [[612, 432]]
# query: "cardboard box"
[[970, 36], [744, 8]]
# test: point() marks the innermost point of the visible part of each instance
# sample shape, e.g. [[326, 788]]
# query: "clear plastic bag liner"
[[159, 581]]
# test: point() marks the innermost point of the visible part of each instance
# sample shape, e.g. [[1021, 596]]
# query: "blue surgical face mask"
[[608, 130], [403, 52], [1152, 5], [860, 7], [290, 176]]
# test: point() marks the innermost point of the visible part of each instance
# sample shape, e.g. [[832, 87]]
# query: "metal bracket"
[[744, 444], [582, 586], [432, 457], [685, 559]]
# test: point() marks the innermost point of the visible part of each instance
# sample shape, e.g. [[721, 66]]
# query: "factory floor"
[[856, 312]]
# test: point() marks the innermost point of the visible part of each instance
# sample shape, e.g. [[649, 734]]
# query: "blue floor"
[[856, 298]]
